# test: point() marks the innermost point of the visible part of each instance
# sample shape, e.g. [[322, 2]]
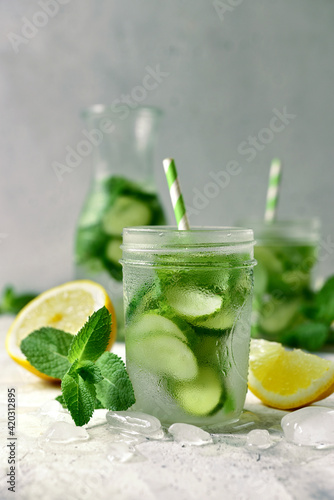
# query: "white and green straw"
[[273, 190], [175, 194]]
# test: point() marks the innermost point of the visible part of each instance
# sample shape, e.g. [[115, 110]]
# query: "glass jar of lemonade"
[[286, 254], [187, 299]]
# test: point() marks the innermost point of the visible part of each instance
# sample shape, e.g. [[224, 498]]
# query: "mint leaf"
[[324, 301], [79, 396], [309, 336], [98, 405], [90, 372], [115, 392], [61, 400], [12, 303], [46, 349], [92, 340]]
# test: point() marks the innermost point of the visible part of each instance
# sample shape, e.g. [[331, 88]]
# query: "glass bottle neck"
[[126, 141]]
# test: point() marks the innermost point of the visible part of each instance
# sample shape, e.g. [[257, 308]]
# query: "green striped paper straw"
[[273, 190], [175, 194]]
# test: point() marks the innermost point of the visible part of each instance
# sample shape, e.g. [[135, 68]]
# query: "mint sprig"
[[12, 302], [316, 327], [310, 336], [90, 377], [324, 302]]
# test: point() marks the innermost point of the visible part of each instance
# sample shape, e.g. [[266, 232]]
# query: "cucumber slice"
[[269, 260], [193, 304], [113, 250], [297, 280], [202, 396], [152, 324], [157, 344], [278, 316], [222, 320], [126, 211]]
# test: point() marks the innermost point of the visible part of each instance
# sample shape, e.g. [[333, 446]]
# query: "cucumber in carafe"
[[115, 203]]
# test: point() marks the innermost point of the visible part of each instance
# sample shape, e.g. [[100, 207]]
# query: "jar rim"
[[109, 109], [157, 236], [290, 230]]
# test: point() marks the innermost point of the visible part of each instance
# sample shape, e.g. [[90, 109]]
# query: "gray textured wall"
[[229, 67]]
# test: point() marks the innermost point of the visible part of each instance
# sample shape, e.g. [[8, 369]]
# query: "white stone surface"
[[110, 465]]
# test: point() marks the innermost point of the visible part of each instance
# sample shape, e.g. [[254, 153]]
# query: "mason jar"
[[286, 254], [187, 300]]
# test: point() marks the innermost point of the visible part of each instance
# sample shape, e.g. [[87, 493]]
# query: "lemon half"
[[65, 307]]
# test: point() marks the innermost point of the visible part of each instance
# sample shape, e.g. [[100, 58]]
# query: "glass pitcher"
[[122, 193]]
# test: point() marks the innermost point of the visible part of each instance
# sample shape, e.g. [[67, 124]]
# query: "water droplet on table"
[[128, 438], [189, 434], [135, 422], [122, 453], [311, 426], [259, 439], [63, 432]]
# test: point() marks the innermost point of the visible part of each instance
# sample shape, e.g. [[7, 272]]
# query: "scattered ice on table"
[[259, 439], [53, 410], [63, 432], [311, 426], [123, 452], [134, 422], [189, 434]]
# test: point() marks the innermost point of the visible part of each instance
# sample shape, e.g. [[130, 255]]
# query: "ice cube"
[[51, 408], [189, 434], [123, 452], [135, 422], [63, 432], [98, 418], [259, 439], [311, 426]]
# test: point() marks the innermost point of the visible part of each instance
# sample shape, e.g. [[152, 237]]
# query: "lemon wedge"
[[288, 379]]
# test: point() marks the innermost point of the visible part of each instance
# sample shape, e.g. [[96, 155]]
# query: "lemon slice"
[[288, 379], [65, 307]]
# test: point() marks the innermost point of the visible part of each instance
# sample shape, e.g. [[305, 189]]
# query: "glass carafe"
[[122, 193]]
